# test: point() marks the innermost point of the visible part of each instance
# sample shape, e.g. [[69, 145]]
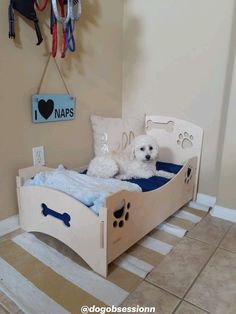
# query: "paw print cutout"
[[185, 140], [121, 215], [188, 175]]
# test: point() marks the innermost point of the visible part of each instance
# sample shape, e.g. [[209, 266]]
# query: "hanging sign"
[[48, 108]]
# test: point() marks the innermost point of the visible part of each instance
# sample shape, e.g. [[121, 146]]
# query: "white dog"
[[137, 161]]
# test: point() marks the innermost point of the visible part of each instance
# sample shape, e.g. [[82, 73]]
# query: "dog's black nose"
[[147, 157]]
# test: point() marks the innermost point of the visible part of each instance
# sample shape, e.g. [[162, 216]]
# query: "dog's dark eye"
[[151, 148], [142, 149]]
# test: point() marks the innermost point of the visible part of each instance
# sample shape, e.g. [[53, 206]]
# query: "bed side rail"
[[29, 172], [131, 215]]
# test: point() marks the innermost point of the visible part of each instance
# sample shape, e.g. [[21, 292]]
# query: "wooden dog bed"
[[127, 216]]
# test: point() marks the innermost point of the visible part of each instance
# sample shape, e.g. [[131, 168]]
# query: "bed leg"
[[19, 183], [101, 269]]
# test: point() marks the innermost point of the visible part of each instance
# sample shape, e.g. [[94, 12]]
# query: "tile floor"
[[197, 277]]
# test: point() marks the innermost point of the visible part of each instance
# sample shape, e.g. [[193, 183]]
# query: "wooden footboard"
[[55, 213]]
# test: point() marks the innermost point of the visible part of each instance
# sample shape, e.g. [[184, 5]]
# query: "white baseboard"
[[199, 206], [206, 199], [224, 213], [203, 202], [8, 225]]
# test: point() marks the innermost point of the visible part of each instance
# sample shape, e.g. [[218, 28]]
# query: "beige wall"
[[93, 74], [175, 61], [226, 195], [227, 186]]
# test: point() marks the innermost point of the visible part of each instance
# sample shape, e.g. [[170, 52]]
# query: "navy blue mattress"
[[156, 182]]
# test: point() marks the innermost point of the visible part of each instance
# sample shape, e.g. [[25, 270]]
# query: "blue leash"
[[70, 39]]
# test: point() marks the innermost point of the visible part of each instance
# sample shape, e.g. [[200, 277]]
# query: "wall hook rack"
[[70, 12]]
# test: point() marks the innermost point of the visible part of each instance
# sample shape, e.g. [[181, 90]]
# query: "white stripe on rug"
[[188, 216], [172, 229], [134, 265], [156, 245], [8, 225], [87, 280], [28, 297], [198, 206]]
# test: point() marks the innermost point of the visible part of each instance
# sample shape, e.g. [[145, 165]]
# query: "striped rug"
[[41, 275]]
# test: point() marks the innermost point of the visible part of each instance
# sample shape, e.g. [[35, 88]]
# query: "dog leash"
[[66, 17], [61, 18], [53, 23], [67, 20], [42, 6], [54, 19], [70, 40]]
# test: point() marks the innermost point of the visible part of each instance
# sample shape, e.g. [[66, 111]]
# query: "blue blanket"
[[90, 191]]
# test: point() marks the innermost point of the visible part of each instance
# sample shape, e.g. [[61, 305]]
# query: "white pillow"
[[111, 134]]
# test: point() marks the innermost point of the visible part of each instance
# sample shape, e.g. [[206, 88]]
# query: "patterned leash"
[[67, 20]]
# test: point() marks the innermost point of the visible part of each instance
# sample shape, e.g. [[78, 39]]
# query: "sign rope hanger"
[[45, 72], [69, 12], [52, 107]]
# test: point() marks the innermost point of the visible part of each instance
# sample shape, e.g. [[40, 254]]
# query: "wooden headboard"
[[178, 140]]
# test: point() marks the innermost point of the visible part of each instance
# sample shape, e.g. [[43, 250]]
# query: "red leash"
[[54, 40], [55, 37], [42, 6]]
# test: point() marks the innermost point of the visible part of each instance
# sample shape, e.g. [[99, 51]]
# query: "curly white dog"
[[137, 161]]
